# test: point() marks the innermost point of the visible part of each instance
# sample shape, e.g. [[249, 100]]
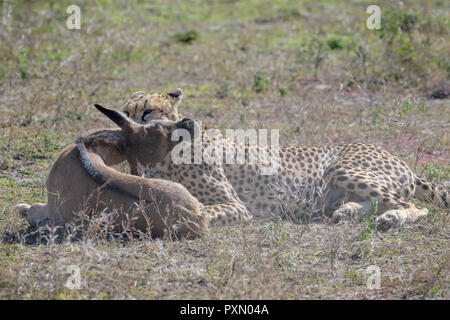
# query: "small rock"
[[442, 93]]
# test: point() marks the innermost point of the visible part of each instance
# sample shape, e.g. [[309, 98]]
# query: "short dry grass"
[[313, 70]]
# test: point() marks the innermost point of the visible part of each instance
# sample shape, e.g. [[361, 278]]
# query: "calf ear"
[[117, 117]]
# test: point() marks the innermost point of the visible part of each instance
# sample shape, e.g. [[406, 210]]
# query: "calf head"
[[146, 143]]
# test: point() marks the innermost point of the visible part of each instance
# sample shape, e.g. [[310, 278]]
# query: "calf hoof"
[[21, 209]]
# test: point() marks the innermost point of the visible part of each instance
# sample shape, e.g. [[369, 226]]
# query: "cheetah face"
[[142, 107]]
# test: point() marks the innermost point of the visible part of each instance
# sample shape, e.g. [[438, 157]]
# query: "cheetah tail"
[[430, 192]]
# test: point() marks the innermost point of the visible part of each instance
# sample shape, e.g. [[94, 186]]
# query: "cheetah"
[[338, 181]]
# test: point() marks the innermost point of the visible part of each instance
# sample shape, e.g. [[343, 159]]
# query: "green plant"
[[23, 64], [314, 52], [260, 81], [436, 172], [368, 223], [222, 91], [282, 91], [335, 43], [376, 113], [187, 36], [402, 50], [275, 232], [373, 209], [355, 277], [361, 53]]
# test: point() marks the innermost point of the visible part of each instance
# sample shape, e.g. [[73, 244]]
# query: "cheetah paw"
[[348, 211], [339, 215], [388, 220]]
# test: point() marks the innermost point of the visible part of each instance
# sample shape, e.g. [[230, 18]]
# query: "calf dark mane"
[[91, 169]]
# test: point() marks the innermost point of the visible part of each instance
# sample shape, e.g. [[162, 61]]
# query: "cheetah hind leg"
[[351, 210], [397, 217]]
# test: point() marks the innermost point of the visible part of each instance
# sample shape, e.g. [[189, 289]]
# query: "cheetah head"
[[143, 107]]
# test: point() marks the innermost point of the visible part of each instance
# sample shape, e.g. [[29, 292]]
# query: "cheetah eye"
[[146, 112]]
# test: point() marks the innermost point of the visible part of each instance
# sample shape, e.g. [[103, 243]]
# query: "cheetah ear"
[[117, 117], [177, 94], [136, 94]]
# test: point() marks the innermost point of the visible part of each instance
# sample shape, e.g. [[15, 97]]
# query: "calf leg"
[[35, 214]]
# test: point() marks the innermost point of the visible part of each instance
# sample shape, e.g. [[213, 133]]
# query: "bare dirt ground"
[[312, 70]]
